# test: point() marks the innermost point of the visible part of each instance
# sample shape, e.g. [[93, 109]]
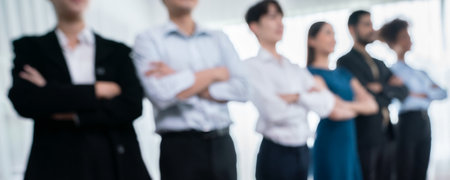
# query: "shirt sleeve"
[[435, 92], [321, 102], [270, 107], [162, 92], [236, 88], [399, 92]]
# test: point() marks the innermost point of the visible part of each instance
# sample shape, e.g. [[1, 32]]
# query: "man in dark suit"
[[375, 131], [82, 92]]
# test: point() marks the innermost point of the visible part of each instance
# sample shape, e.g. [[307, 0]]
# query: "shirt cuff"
[[329, 106], [218, 91], [186, 79], [322, 102], [169, 87]]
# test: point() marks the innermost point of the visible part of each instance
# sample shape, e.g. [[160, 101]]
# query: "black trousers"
[[414, 144], [277, 162], [197, 156], [378, 162], [370, 159], [387, 166]]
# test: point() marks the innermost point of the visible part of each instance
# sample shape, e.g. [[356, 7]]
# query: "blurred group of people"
[[84, 92]]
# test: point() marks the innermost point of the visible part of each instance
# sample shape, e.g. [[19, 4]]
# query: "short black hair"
[[260, 9], [354, 18], [389, 32]]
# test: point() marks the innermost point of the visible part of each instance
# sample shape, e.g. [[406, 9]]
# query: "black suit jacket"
[[370, 128], [103, 145]]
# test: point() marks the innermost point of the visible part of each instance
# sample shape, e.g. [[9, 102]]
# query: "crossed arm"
[[363, 104], [166, 86], [104, 103], [103, 89]]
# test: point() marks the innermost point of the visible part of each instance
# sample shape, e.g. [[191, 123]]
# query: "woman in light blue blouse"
[[414, 139]]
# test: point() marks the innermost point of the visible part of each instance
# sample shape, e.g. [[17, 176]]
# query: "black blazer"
[[103, 145], [370, 128]]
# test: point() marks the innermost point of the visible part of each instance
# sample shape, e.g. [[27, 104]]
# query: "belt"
[[194, 133], [422, 112]]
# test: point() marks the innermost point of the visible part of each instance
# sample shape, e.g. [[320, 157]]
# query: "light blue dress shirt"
[[417, 82], [187, 55]]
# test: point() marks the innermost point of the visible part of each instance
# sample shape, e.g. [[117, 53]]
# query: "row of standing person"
[[84, 92]]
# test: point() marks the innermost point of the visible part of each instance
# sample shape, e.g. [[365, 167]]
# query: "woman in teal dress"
[[335, 155]]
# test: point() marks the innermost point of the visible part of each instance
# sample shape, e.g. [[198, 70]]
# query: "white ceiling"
[[223, 11], [123, 19]]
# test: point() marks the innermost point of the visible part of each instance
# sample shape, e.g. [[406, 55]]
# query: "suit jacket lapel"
[[50, 46], [102, 50], [369, 64], [52, 49]]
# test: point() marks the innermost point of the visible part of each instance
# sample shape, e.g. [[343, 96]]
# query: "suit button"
[[100, 71], [120, 149]]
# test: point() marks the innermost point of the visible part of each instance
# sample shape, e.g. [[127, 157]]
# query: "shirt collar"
[[266, 56], [401, 64], [360, 51], [86, 36], [171, 28]]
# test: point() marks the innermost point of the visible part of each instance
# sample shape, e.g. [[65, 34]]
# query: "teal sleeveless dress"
[[335, 155]]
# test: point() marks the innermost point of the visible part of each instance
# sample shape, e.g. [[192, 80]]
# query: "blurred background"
[[123, 20]]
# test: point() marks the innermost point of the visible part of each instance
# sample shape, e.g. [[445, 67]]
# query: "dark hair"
[[389, 32], [354, 18], [255, 12], [312, 33]]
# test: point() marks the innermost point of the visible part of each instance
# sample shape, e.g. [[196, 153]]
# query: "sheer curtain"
[[122, 20]]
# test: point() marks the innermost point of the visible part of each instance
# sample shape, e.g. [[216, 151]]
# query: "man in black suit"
[[374, 132], [82, 92]]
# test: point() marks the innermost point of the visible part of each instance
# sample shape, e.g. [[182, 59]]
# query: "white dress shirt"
[[81, 59], [187, 55], [284, 123]]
